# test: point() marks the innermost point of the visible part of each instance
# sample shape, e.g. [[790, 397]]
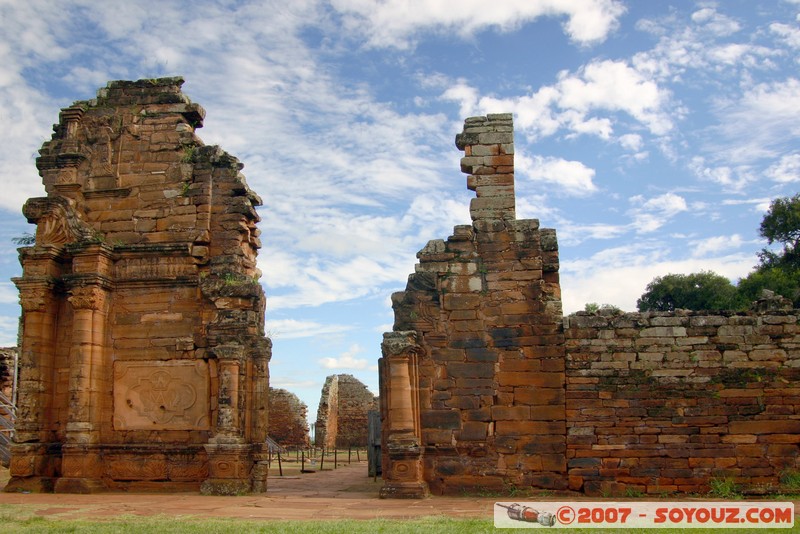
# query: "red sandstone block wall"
[[665, 402]]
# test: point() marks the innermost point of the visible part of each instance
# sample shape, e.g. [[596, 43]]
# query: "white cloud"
[[615, 86], [293, 328], [701, 46], [572, 177], [789, 34], [597, 278], [466, 96], [572, 234], [8, 293], [347, 360], [8, 331], [291, 384], [759, 124], [760, 205], [397, 23], [715, 22], [651, 214], [715, 245], [632, 142], [601, 87], [786, 170], [733, 179]]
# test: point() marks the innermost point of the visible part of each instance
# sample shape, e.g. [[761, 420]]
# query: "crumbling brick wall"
[[327, 414], [288, 424], [488, 350], [664, 402], [143, 359], [355, 401], [484, 385], [342, 417]]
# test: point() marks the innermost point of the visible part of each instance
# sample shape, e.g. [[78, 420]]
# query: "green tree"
[[777, 271], [781, 224], [782, 280], [705, 290]]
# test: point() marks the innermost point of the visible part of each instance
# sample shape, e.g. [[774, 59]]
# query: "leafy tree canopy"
[[705, 290], [781, 224]]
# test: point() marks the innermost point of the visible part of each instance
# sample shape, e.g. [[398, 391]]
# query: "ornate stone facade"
[[143, 359]]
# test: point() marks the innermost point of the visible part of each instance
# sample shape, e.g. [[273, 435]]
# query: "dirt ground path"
[[346, 492]]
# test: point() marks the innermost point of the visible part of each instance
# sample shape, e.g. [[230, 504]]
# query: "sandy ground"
[[346, 492]]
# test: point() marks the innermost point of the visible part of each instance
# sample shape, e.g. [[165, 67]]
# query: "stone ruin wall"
[[355, 401], [327, 414], [475, 367], [143, 359], [664, 402], [288, 424], [484, 385], [342, 417]]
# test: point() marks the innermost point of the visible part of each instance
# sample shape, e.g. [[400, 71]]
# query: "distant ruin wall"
[[288, 425], [355, 401], [327, 414], [485, 385], [8, 357], [342, 418]]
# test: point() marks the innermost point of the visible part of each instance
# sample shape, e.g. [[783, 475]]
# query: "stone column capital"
[[400, 344], [87, 297], [34, 294], [229, 351]]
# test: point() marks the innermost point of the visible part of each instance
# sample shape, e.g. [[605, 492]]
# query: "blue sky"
[[651, 135]]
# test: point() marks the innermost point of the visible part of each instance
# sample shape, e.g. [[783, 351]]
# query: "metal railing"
[[8, 415]]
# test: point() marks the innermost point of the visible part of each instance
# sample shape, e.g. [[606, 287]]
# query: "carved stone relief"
[[161, 395]]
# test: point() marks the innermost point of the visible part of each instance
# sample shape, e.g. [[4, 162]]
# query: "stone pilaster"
[[35, 458], [82, 463], [230, 459], [401, 440]]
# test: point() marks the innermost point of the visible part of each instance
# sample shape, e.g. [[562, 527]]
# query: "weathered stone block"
[[440, 419]]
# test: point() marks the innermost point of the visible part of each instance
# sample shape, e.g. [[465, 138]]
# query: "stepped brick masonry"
[[342, 414], [143, 359], [486, 386]]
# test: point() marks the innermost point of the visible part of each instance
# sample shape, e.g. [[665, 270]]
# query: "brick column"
[[488, 145], [402, 472]]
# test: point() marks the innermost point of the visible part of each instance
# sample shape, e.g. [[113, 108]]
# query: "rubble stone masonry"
[[342, 418], [660, 402], [287, 419], [143, 359], [486, 386]]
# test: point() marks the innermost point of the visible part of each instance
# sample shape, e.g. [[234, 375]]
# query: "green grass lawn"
[[21, 519]]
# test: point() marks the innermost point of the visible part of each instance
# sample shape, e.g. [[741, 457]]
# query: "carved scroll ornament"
[[57, 221]]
